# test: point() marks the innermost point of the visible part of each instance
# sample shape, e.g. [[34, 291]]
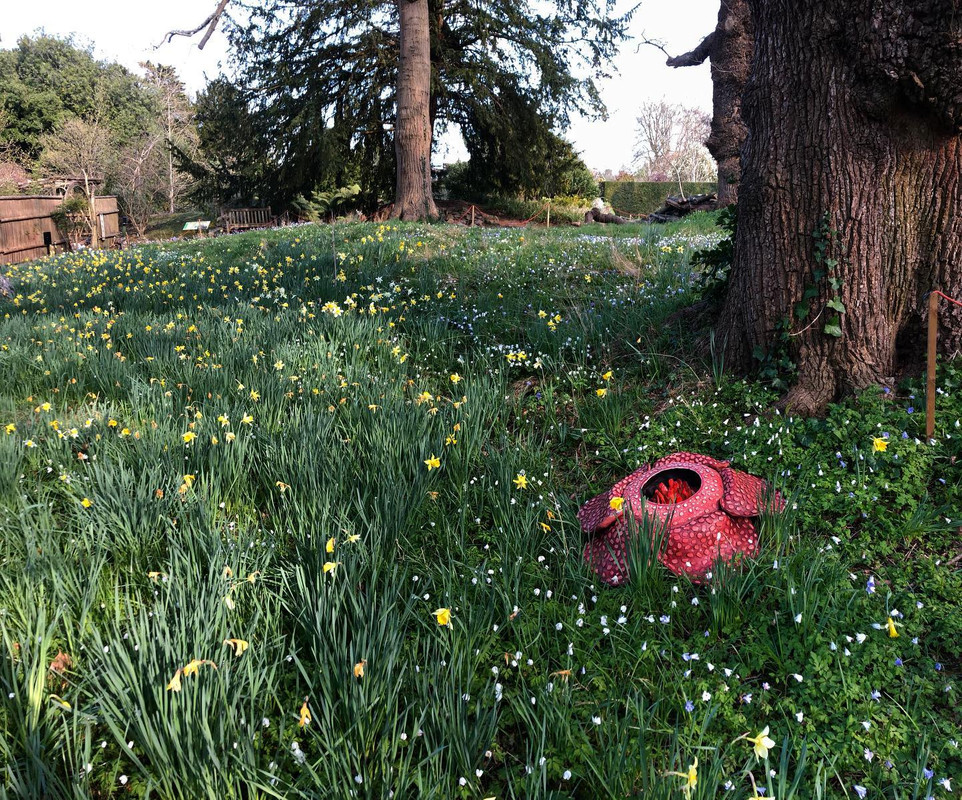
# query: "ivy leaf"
[[836, 304], [834, 328]]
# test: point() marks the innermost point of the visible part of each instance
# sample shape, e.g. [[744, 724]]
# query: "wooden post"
[[472, 216], [930, 366], [548, 223]]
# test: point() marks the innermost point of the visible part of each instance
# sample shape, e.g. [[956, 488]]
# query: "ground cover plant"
[[292, 513]]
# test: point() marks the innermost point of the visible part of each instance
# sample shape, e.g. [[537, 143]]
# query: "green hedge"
[[643, 197]]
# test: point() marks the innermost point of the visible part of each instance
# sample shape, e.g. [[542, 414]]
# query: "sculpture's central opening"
[[671, 486]]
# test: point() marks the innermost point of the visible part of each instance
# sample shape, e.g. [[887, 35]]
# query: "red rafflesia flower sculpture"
[[709, 509]]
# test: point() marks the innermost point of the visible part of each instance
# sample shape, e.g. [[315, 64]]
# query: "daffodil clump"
[[294, 511]]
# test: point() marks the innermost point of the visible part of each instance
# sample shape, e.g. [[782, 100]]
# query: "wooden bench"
[[242, 219]]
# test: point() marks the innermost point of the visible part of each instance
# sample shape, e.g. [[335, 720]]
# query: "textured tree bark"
[[729, 48], [853, 111], [412, 132]]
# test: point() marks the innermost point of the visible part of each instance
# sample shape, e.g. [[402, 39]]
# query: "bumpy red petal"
[[744, 493], [597, 510], [606, 554], [691, 458]]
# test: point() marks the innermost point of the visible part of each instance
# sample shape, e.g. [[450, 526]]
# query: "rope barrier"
[[946, 297], [537, 213]]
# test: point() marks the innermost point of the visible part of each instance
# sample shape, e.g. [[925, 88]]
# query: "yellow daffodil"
[[443, 616], [237, 645], [879, 444], [174, 685], [330, 566], [607, 375], [691, 777], [189, 480], [189, 437], [283, 487], [433, 462], [247, 419], [890, 624], [192, 667], [305, 716], [11, 428], [455, 378], [354, 537], [329, 547], [86, 502], [229, 602], [253, 576], [359, 668], [521, 481], [615, 503], [278, 365], [156, 576], [761, 743], [601, 392]]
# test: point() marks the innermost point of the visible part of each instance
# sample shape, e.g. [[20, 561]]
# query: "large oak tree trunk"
[[412, 133], [730, 62], [854, 113], [729, 49]]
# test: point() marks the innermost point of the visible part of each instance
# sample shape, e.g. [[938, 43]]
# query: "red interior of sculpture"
[[708, 507], [672, 491]]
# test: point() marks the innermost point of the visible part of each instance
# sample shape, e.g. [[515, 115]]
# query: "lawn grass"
[[255, 467]]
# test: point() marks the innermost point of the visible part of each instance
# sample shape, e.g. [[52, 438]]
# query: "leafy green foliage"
[[232, 161], [716, 261], [643, 197], [45, 81], [824, 277], [323, 204]]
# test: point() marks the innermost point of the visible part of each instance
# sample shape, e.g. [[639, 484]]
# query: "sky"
[[131, 32]]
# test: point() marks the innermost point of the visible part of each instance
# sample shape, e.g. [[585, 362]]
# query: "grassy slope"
[[226, 408]]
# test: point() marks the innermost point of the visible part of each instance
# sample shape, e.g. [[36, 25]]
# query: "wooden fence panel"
[[27, 230]]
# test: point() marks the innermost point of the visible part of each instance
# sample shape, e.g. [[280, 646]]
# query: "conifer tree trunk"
[[412, 132], [854, 117]]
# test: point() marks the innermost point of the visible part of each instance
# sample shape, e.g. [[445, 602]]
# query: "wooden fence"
[[27, 230]]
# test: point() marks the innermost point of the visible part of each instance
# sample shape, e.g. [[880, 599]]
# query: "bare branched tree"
[[175, 122], [670, 143], [142, 181], [83, 150], [210, 23]]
